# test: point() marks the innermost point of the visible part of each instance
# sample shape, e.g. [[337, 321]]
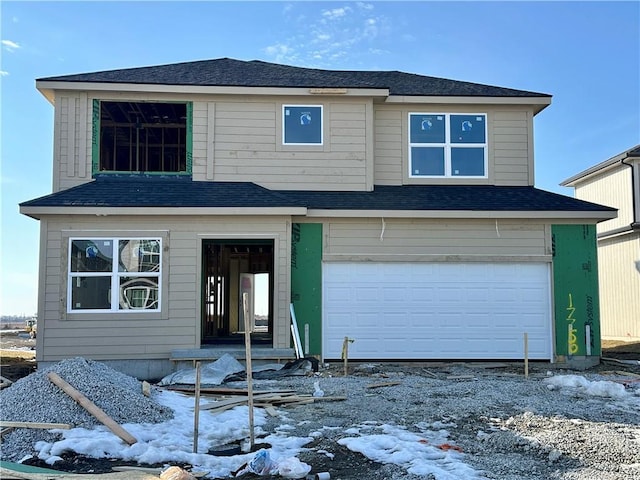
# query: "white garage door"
[[436, 310]]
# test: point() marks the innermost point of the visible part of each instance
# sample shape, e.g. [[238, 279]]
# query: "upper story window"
[[447, 145], [144, 137], [114, 274], [302, 125]]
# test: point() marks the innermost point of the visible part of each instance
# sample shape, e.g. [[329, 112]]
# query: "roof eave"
[[590, 216], [539, 103], [39, 212], [599, 168], [47, 88]]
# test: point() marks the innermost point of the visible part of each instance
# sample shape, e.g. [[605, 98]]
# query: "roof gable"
[[229, 72]]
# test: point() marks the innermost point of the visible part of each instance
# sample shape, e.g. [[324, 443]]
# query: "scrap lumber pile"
[[227, 398]]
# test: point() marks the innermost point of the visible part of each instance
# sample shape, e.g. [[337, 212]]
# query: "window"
[[447, 145], [302, 125], [145, 137], [114, 274]]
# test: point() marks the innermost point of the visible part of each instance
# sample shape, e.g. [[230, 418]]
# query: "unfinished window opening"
[[231, 269], [144, 137]]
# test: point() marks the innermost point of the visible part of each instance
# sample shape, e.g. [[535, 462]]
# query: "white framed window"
[[448, 145], [302, 125], [114, 274]]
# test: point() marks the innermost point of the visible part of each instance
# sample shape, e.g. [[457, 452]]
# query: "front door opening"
[[231, 268]]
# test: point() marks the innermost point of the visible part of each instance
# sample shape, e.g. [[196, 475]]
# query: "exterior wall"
[[619, 267], [139, 336], [306, 284], [236, 139], [393, 239], [240, 139], [611, 188], [72, 140], [510, 143], [248, 146], [576, 298]]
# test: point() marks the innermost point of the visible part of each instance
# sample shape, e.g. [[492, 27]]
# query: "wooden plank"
[[247, 343], [38, 425], [224, 390], [92, 408], [270, 410], [383, 384], [235, 401]]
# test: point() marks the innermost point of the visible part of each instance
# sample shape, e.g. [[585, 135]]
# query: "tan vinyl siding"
[[371, 239], [510, 156], [248, 147], [72, 141], [611, 188], [241, 140], [133, 335], [620, 287], [388, 147]]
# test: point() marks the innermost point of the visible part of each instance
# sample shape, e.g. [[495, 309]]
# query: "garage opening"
[[230, 269]]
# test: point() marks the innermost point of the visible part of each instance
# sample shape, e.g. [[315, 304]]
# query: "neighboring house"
[[397, 210], [616, 182]]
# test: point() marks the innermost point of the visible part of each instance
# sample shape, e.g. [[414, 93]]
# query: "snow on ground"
[[423, 453]]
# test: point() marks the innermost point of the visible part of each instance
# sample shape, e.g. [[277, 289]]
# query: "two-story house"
[[616, 182], [394, 209]]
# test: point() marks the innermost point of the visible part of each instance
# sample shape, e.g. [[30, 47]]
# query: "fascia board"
[[552, 214], [576, 180], [538, 102], [37, 212], [47, 87]]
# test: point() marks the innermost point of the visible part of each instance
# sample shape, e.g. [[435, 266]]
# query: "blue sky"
[[585, 54]]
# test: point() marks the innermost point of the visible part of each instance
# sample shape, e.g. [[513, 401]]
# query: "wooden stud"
[[526, 355], [92, 408], [39, 425], [248, 367], [196, 415]]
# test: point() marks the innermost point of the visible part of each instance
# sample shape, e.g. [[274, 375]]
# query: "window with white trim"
[[114, 274], [447, 145], [302, 125]]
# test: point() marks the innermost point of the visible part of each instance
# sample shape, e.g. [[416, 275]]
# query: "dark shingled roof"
[[158, 191], [238, 73], [148, 191]]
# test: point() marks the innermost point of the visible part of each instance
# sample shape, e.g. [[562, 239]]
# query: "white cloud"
[[9, 45], [280, 52], [364, 6], [331, 37], [3, 73], [336, 12]]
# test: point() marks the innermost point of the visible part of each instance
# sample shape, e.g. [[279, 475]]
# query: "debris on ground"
[[36, 399], [227, 369], [394, 421]]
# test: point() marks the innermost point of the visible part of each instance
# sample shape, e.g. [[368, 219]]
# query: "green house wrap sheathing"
[[306, 284], [575, 284]]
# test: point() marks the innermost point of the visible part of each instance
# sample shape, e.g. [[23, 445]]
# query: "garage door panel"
[[439, 311]]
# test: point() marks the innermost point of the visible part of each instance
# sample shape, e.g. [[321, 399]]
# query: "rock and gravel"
[[35, 399], [508, 427]]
